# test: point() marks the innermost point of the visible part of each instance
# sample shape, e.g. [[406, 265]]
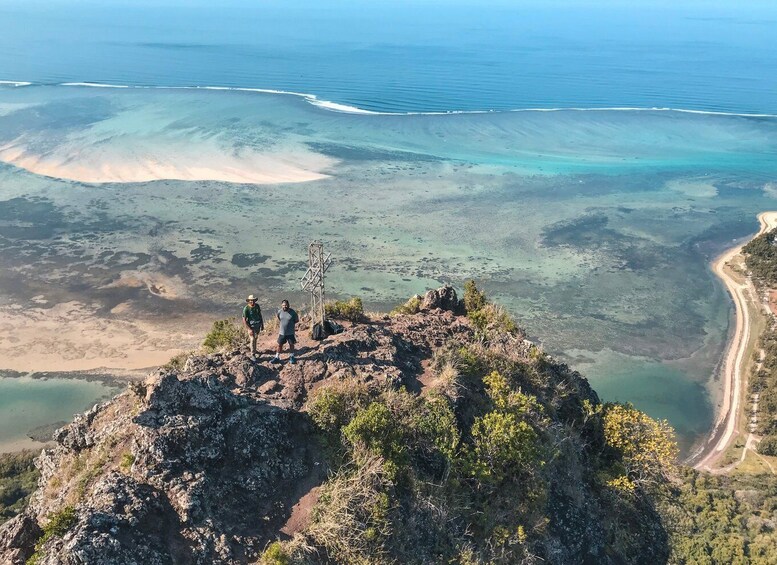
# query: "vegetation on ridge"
[[352, 310], [58, 524], [225, 334], [470, 471]]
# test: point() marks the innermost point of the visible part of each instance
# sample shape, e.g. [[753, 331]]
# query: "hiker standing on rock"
[[287, 318], [252, 318]]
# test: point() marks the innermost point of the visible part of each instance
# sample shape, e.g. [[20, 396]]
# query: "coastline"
[[734, 359]]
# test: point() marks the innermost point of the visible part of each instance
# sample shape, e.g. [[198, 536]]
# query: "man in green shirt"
[[252, 318]]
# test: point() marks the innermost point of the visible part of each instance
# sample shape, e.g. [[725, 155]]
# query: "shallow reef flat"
[[594, 228]]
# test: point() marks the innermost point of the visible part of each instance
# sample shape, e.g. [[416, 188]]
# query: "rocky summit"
[[231, 460]]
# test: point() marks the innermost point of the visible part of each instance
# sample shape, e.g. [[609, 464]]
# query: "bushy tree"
[[474, 299], [647, 448], [352, 309], [768, 445], [225, 334]]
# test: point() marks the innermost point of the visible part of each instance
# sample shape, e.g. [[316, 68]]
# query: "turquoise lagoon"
[[436, 146], [27, 403], [595, 228]]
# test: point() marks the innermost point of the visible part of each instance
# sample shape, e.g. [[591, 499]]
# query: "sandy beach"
[[743, 296]]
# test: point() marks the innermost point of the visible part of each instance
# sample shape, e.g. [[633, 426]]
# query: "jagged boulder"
[[443, 298], [122, 521], [17, 539]]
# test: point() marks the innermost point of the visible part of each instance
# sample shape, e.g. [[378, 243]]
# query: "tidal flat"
[[594, 228]]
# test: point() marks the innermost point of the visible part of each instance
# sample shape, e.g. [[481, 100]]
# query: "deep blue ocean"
[[403, 56], [584, 162]]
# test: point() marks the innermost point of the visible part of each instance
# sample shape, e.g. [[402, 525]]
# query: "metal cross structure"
[[313, 281]]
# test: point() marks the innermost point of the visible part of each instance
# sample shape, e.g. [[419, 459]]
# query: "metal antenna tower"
[[313, 281]]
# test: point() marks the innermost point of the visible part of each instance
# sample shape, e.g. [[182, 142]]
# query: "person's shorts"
[[284, 338]]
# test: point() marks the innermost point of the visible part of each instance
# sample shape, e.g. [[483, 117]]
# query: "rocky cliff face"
[[212, 463]]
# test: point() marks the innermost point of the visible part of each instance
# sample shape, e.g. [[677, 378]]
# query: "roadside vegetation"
[[764, 383], [761, 257], [761, 260], [730, 519]]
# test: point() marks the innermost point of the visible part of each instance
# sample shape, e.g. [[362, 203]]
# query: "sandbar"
[[73, 336], [133, 163]]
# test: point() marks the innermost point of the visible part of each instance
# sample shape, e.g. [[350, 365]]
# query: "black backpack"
[[318, 332]]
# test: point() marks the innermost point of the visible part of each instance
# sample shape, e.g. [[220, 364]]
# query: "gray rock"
[[17, 539], [443, 298]]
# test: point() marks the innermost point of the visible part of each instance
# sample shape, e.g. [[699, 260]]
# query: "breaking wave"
[[349, 109]]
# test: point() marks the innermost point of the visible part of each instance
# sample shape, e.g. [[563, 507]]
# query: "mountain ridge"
[[436, 435]]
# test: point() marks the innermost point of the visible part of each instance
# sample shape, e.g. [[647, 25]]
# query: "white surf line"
[[735, 357], [348, 109]]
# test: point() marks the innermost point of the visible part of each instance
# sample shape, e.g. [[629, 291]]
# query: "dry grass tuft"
[[447, 370], [350, 520]]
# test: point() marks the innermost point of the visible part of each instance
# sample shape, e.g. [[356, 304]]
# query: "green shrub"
[[646, 447], [275, 554], [352, 310], [177, 362], [474, 300], [509, 400], [768, 445], [471, 362], [375, 431], [127, 459], [502, 447], [492, 320], [412, 306], [334, 406], [437, 427], [225, 334], [58, 525]]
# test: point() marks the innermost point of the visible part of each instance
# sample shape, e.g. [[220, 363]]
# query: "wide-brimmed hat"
[[251, 297]]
